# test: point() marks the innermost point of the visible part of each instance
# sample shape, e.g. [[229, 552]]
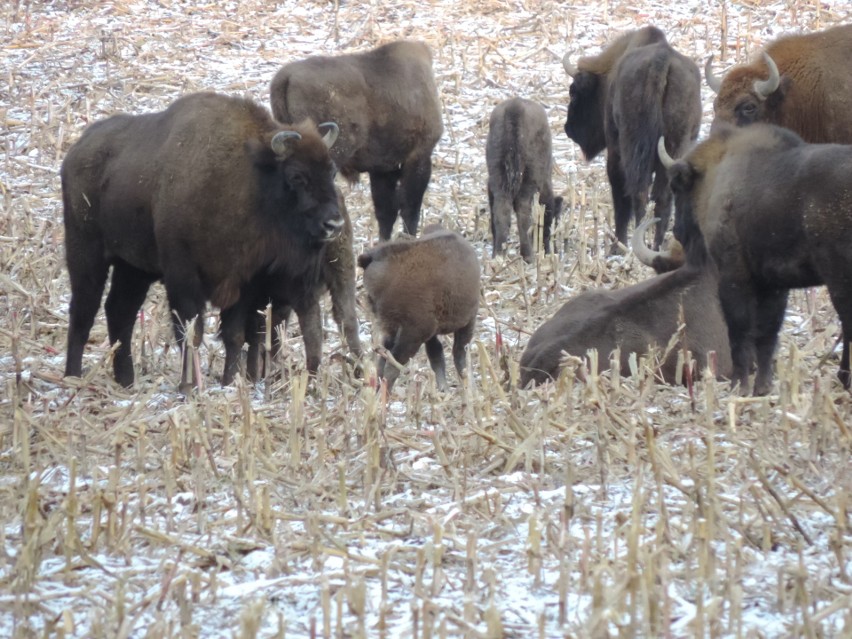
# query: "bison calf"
[[519, 159], [205, 195], [387, 106], [622, 100], [419, 289], [775, 214], [635, 318]]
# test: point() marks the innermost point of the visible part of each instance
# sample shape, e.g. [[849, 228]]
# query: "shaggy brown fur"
[[204, 195], [387, 106], [814, 94], [518, 155], [622, 100], [419, 289]]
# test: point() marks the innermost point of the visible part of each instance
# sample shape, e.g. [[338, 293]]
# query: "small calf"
[[419, 289]]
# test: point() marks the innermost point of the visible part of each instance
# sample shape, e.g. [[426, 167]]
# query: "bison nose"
[[332, 226]]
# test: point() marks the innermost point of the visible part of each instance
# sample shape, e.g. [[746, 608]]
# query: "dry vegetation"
[[585, 508]]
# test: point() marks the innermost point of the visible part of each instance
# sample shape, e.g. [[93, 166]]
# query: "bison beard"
[[160, 197]]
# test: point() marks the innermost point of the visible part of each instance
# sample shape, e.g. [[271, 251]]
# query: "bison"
[[635, 318], [519, 159], [337, 275], [419, 289], [620, 101], [205, 195], [775, 213], [802, 82], [387, 106]]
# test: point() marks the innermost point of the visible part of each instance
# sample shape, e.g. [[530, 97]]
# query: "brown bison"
[[419, 289], [620, 100], [387, 106], [519, 159], [337, 275], [638, 317], [775, 214], [802, 82], [205, 195]]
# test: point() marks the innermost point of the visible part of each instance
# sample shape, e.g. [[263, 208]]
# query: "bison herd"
[[227, 203]]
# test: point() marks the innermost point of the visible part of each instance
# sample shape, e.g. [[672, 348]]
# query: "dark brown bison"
[[775, 214], [387, 106], [337, 275], [636, 318], [519, 159], [419, 289], [205, 195], [802, 82], [619, 101]]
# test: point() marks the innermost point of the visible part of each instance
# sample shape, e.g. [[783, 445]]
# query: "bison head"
[[585, 121], [297, 182], [746, 95]]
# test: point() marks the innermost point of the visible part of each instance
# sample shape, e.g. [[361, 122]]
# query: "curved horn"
[[640, 249], [713, 81], [570, 69], [283, 143], [330, 131], [665, 159], [765, 88]]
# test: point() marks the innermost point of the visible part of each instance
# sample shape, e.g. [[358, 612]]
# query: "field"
[[591, 507]]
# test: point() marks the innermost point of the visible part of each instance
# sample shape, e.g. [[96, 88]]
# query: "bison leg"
[[127, 292], [501, 219], [523, 206], [88, 273], [416, 173], [770, 309], [435, 353], [843, 374], [738, 309], [661, 193], [620, 200], [461, 339], [237, 324], [187, 301], [841, 298], [404, 346], [385, 201], [310, 322]]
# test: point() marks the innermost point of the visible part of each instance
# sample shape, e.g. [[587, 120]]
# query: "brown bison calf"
[[518, 155], [638, 317], [419, 289], [205, 195], [389, 112]]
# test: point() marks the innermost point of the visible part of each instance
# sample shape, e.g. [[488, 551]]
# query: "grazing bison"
[[387, 106], [519, 163], [419, 289], [205, 195], [337, 275], [635, 318], [802, 82], [619, 101], [775, 214]]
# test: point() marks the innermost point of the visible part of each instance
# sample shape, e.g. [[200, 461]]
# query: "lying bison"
[[205, 195], [802, 82], [775, 214], [621, 100], [387, 106], [337, 275], [519, 163], [635, 318], [419, 289]]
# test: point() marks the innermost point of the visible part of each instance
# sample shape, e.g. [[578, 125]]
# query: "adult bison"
[[635, 318], [802, 82], [519, 159], [204, 195], [387, 106], [621, 100], [775, 214]]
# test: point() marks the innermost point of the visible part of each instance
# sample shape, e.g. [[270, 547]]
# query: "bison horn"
[[764, 88], [665, 159], [330, 131], [570, 69], [637, 243], [283, 143], [713, 81]]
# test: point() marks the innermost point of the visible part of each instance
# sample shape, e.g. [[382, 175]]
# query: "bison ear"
[[329, 132], [284, 143]]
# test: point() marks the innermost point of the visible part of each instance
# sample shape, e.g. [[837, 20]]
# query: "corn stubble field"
[[591, 507]]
